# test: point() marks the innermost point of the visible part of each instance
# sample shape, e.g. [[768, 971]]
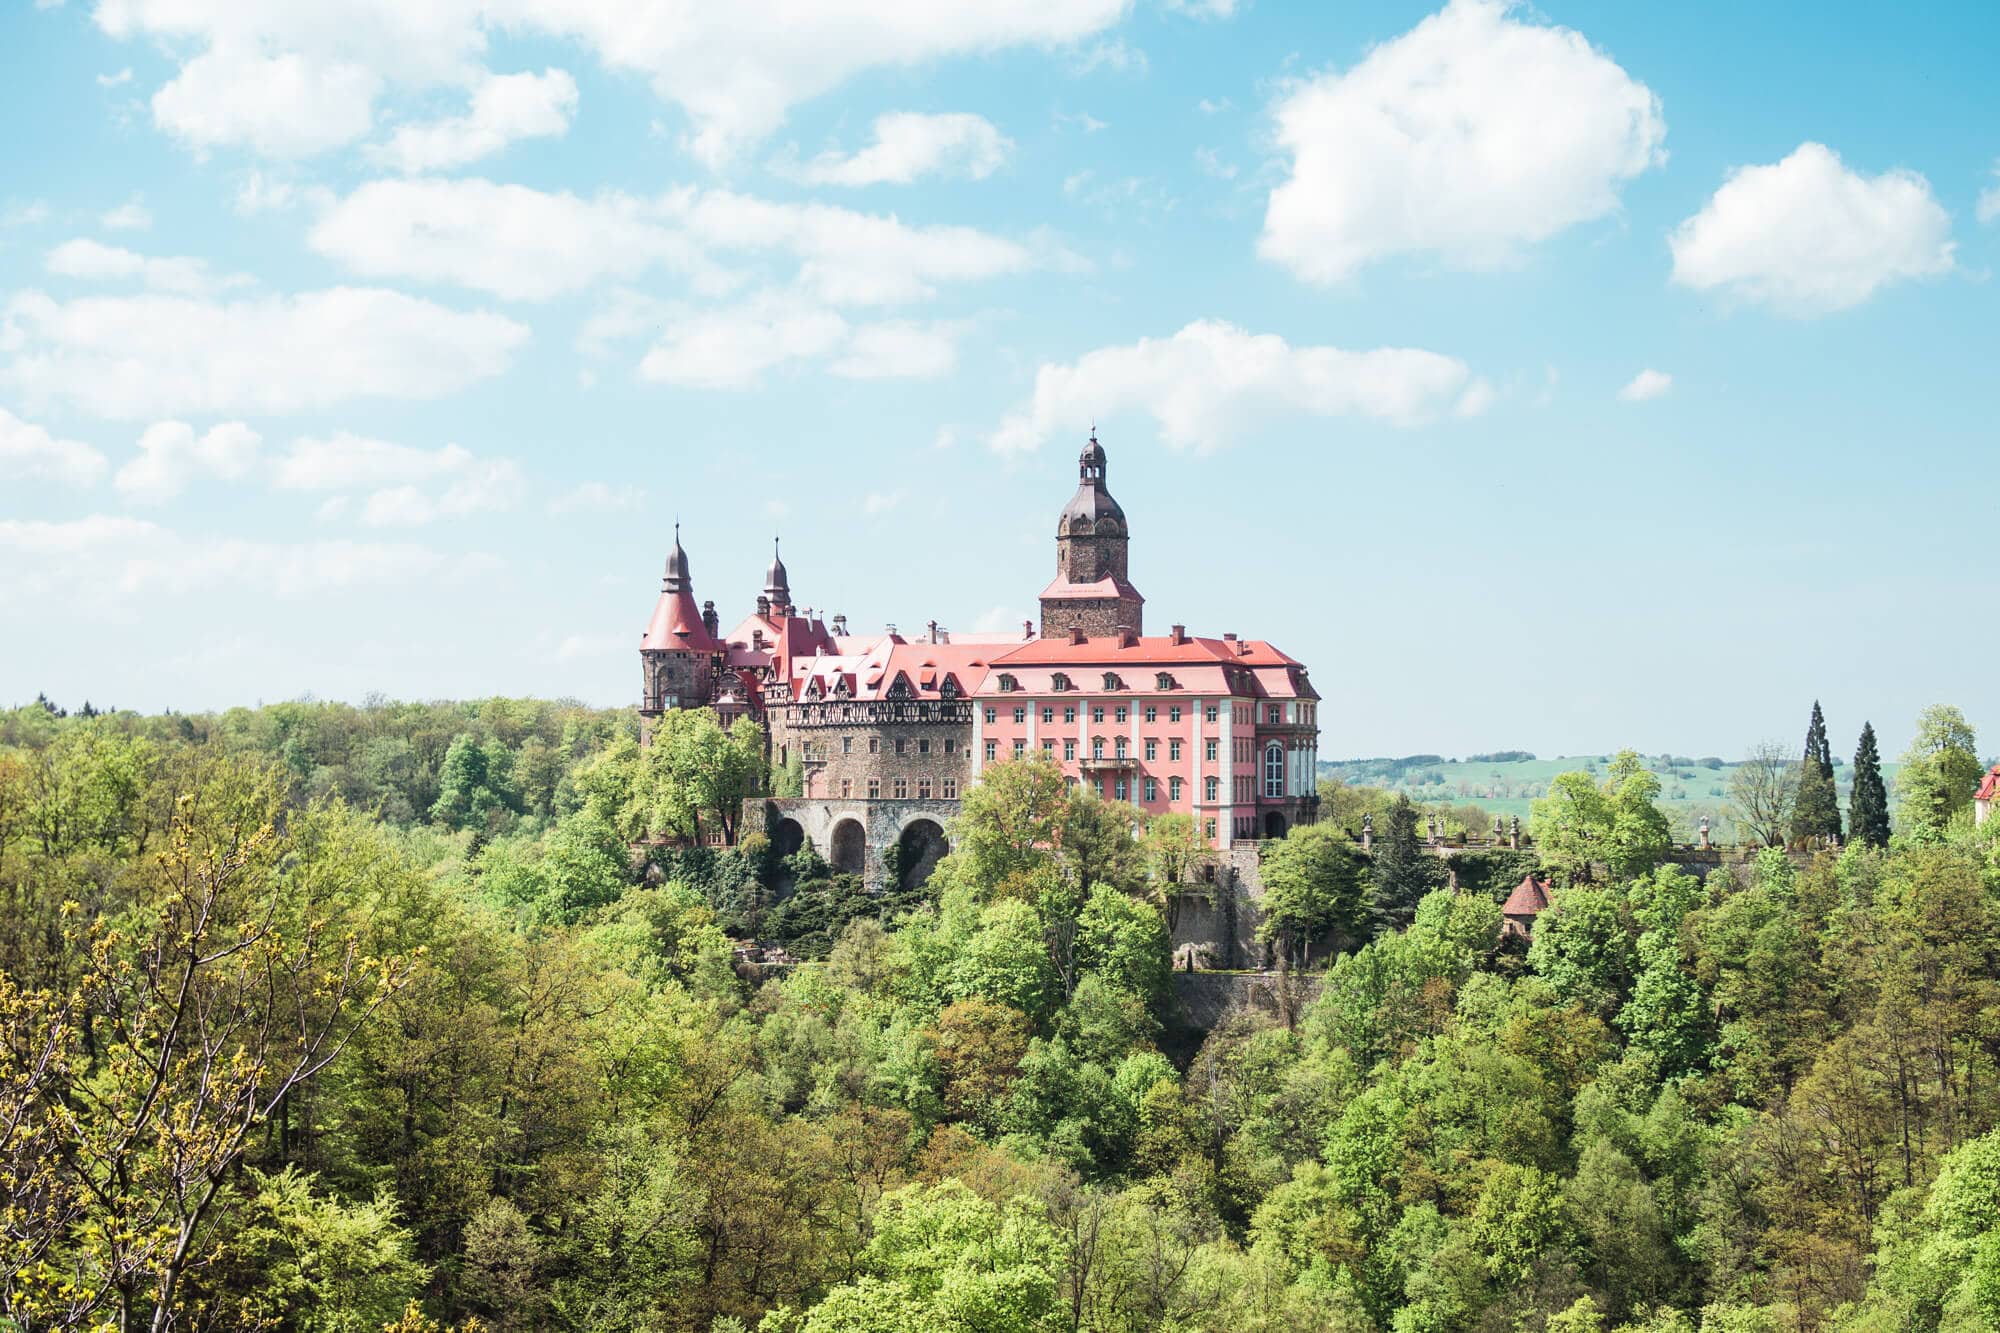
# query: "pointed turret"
[[778, 584], [1091, 591]]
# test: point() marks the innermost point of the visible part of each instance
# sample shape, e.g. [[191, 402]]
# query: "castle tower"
[[778, 585], [1091, 591], [679, 654]]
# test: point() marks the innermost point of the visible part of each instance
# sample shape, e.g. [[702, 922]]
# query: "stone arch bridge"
[[857, 837]]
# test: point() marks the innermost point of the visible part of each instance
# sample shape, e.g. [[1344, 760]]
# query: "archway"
[[1274, 825], [919, 848], [788, 837], [850, 848]]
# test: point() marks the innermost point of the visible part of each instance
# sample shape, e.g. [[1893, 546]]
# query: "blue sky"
[[1562, 378]]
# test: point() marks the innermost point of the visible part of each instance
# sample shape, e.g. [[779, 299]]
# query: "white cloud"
[[1647, 385], [486, 486], [171, 455], [1470, 136], [1201, 9], [30, 453], [1213, 384], [288, 79], [881, 502], [118, 80], [596, 497], [732, 347], [152, 355], [1988, 207], [95, 261], [525, 244], [1210, 163], [279, 105], [505, 107], [910, 144], [345, 462], [1807, 236], [104, 563], [128, 216], [1209, 106]]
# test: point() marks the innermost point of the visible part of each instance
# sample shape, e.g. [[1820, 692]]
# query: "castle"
[[889, 731]]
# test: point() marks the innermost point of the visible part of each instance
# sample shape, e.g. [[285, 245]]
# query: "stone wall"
[[855, 835], [845, 746], [1208, 999]]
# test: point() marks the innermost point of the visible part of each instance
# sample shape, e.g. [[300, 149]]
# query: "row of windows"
[[899, 789], [1120, 713], [1060, 682], [923, 744], [1120, 749]]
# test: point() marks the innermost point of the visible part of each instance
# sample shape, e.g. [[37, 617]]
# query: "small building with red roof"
[[1989, 790], [1529, 900]]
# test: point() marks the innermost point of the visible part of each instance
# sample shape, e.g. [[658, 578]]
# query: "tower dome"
[[1092, 504], [677, 565], [778, 583]]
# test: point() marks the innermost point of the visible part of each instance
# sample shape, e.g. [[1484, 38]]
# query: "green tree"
[[1816, 808], [1402, 871], [1868, 798], [1313, 885], [1938, 773], [472, 785], [1582, 823]]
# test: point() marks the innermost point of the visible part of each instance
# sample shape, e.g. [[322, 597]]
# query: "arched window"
[[1274, 769], [1213, 788]]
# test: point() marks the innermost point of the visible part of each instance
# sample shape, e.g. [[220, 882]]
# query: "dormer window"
[[1060, 681], [1112, 682], [949, 690], [1163, 681], [1008, 684]]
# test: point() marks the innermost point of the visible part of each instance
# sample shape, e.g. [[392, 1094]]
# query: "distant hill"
[[1506, 782]]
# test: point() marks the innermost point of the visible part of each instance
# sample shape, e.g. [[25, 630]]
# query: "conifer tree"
[[1816, 814], [1403, 872], [1868, 802]]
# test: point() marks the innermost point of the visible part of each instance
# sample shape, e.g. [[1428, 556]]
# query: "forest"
[[432, 1016]]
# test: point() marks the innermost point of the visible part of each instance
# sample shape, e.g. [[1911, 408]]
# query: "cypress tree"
[[1403, 871], [1868, 802], [1817, 814]]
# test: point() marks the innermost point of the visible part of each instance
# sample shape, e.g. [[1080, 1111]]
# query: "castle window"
[[1119, 715], [1111, 681], [902, 743], [847, 745], [1208, 829], [1274, 715], [874, 745], [1049, 748], [950, 745], [1152, 789], [1152, 748], [1163, 681], [1120, 788], [1274, 769], [1174, 713], [951, 789], [1048, 716], [1069, 715], [1098, 784], [1020, 747], [900, 787], [1211, 789], [923, 789], [1020, 715], [874, 789], [1121, 747], [923, 745], [1211, 750], [992, 750], [846, 788], [1097, 747], [1097, 715], [1212, 712], [1174, 750], [1008, 684], [1152, 713], [992, 716], [1174, 790], [1060, 681]]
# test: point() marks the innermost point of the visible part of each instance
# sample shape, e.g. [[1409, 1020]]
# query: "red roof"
[[1063, 590], [1989, 786], [676, 624], [1529, 898], [1143, 651]]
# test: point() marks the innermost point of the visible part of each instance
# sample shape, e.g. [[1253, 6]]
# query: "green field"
[[1691, 786]]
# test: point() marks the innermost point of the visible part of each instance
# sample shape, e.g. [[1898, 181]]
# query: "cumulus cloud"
[[156, 355], [505, 107], [909, 145], [881, 502], [521, 243], [29, 453], [103, 563], [1470, 136], [1989, 201], [129, 216], [171, 455], [596, 497], [289, 79], [1213, 384], [1807, 236], [488, 486], [732, 347], [95, 261], [407, 486], [1647, 385]]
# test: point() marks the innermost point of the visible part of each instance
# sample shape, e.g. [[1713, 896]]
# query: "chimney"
[[932, 627], [1027, 629], [1229, 637], [709, 619], [1076, 634], [1243, 647], [1178, 635], [840, 625], [756, 638], [1127, 639]]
